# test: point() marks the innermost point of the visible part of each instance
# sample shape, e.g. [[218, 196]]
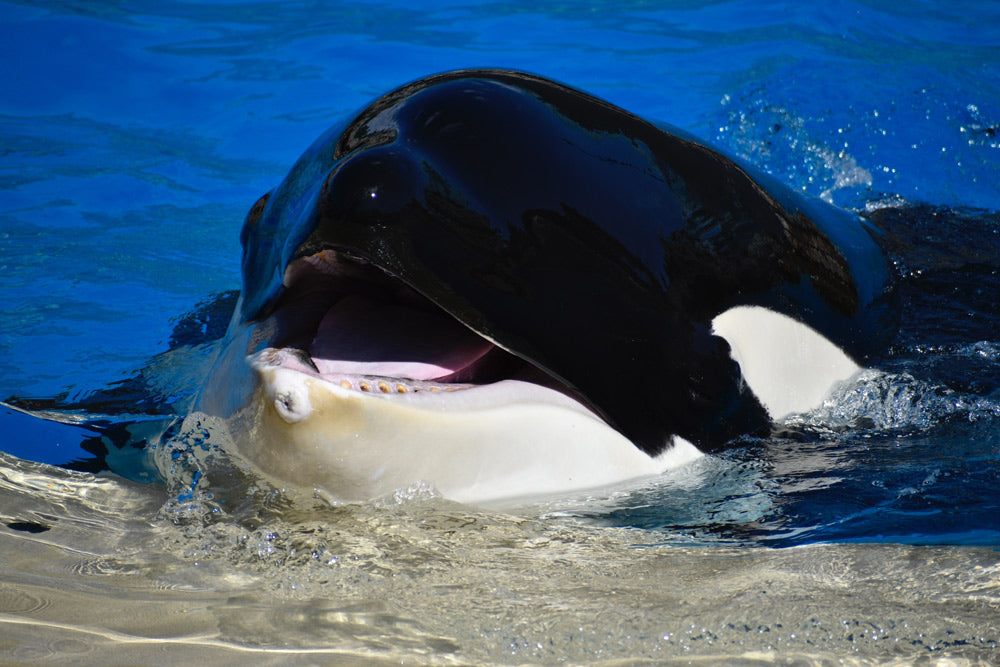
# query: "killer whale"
[[503, 286]]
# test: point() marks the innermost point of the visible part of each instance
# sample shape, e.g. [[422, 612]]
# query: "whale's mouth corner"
[[351, 324]]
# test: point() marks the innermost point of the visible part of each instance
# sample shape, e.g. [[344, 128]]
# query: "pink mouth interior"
[[363, 336]]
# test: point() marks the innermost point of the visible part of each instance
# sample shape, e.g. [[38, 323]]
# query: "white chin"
[[482, 444]]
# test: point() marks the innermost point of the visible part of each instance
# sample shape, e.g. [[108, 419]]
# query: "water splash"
[[765, 134], [896, 402]]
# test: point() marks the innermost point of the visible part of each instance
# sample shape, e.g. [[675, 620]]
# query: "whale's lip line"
[[384, 386], [315, 284], [447, 397]]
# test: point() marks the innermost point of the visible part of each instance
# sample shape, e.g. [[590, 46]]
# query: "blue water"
[[136, 136]]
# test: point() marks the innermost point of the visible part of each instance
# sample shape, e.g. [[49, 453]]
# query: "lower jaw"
[[355, 445]]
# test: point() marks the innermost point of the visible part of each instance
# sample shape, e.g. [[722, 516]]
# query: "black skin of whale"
[[577, 236]]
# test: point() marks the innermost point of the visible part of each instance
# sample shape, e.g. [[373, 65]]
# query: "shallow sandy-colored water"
[[120, 577]]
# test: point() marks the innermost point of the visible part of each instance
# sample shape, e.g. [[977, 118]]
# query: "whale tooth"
[[377, 385]]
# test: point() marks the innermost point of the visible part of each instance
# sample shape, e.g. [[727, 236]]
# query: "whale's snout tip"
[[288, 394]]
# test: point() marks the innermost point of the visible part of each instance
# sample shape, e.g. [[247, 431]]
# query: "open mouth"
[[366, 386], [350, 324]]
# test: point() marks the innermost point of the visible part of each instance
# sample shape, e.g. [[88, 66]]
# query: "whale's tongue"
[[363, 336]]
